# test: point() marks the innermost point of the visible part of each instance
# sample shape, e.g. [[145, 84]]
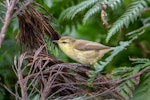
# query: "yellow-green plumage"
[[83, 51]]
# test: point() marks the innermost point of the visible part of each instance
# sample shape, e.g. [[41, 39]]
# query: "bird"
[[82, 51]]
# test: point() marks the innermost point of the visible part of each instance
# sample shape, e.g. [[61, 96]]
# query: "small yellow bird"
[[83, 51]]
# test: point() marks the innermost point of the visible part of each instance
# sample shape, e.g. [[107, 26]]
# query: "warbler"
[[82, 51]]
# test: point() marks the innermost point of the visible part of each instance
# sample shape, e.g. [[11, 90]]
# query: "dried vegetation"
[[40, 73]]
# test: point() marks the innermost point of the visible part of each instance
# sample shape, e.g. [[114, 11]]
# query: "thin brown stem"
[[7, 19], [6, 88]]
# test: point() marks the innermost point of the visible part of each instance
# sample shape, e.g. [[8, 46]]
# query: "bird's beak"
[[55, 41]]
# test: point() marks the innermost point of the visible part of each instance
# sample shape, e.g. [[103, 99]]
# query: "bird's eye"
[[64, 42]]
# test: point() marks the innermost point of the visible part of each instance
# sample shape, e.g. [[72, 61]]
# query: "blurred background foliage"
[[91, 28]]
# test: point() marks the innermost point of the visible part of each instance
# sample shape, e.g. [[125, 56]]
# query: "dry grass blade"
[[33, 27]]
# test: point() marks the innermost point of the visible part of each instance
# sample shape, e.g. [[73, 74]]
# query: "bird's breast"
[[85, 57]]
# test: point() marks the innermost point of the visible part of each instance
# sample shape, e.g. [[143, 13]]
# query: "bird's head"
[[65, 42]]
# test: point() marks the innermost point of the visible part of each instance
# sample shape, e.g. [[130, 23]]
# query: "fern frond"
[[72, 11], [113, 3], [99, 67], [135, 9], [67, 13], [118, 49], [90, 12], [95, 9], [142, 91], [117, 73], [124, 72], [82, 6], [128, 86], [141, 60], [146, 64]]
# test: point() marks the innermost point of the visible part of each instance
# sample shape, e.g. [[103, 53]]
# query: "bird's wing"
[[88, 45]]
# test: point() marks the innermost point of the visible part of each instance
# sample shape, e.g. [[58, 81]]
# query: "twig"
[[134, 76], [21, 81], [16, 90], [113, 82], [8, 16], [22, 85], [48, 70], [34, 89], [8, 3], [99, 94], [7, 20], [104, 15], [49, 83], [107, 91], [22, 8], [5, 87], [118, 81]]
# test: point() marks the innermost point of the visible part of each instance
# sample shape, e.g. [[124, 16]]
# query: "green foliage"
[[2, 92], [100, 66], [126, 88], [123, 44], [142, 91], [71, 12], [132, 13], [129, 20], [90, 12]]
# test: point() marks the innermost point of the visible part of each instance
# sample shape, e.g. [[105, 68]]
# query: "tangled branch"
[[10, 6], [64, 80]]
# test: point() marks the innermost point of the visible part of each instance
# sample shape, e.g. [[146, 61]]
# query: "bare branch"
[[10, 8], [8, 3], [146, 70], [16, 90], [21, 81], [5, 87], [59, 79], [7, 20]]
